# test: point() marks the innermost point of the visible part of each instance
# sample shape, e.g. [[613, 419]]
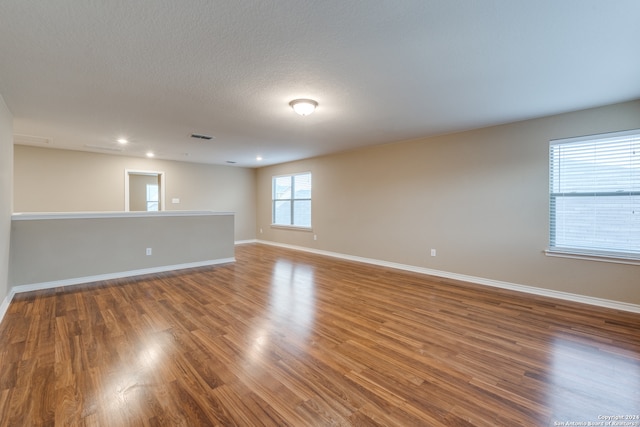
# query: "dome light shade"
[[304, 107]]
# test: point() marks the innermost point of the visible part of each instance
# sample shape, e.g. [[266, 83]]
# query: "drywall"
[[83, 246], [480, 198], [53, 180], [6, 188]]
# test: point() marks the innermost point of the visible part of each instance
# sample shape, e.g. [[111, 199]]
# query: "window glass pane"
[[302, 213], [282, 212], [596, 166], [302, 185], [152, 192], [282, 187], [605, 223], [152, 198]]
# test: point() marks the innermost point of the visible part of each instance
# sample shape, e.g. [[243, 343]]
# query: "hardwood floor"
[[287, 338]]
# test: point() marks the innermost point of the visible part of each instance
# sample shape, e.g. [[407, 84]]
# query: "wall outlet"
[[175, 200], [315, 237], [261, 231], [433, 252], [149, 251]]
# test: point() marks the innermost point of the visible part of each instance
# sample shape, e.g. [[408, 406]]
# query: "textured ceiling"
[[80, 74]]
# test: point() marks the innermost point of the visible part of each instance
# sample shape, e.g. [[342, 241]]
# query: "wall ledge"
[[26, 216], [600, 302]]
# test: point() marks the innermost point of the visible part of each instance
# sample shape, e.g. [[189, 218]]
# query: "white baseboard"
[[600, 302], [245, 242], [5, 304], [100, 277], [118, 275]]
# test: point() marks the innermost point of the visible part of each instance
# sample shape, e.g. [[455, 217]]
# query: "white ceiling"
[[79, 74]]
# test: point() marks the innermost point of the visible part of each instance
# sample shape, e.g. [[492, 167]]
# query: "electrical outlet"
[[149, 251], [315, 237], [433, 252]]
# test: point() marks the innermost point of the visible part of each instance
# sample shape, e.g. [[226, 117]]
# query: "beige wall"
[[480, 198], [6, 188], [49, 180], [85, 246]]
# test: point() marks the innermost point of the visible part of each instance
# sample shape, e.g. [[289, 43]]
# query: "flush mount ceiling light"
[[123, 141], [304, 107]]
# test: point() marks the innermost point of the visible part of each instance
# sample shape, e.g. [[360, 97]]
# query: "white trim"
[[292, 227], [616, 259], [109, 276], [5, 304], [594, 137], [27, 216], [600, 302], [245, 242]]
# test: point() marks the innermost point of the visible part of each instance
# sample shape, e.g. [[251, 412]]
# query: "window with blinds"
[[595, 195], [291, 200]]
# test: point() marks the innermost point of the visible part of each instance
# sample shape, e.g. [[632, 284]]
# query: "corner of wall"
[[6, 200]]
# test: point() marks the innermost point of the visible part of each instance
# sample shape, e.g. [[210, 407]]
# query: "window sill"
[[291, 227], [616, 258]]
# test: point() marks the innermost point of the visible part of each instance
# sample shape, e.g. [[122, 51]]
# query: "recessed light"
[[123, 141], [259, 158], [150, 154]]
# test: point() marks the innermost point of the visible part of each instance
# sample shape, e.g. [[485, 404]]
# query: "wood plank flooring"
[[284, 338]]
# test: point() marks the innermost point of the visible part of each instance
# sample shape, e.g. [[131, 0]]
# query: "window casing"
[[291, 200], [594, 195]]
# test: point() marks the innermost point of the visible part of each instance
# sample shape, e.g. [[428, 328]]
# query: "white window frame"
[[617, 253], [150, 200], [291, 200]]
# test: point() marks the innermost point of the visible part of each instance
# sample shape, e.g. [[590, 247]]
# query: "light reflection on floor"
[[582, 374], [293, 296], [292, 302]]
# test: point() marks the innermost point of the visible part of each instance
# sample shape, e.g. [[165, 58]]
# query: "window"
[[152, 197], [595, 195], [292, 200]]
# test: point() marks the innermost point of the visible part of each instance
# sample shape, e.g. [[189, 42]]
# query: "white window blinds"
[[595, 195]]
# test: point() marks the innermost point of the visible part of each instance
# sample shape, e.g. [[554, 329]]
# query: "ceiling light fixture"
[[304, 107], [122, 141], [150, 154]]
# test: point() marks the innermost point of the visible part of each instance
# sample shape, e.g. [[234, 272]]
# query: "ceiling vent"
[[201, 136], [102, 148], [30, 140]]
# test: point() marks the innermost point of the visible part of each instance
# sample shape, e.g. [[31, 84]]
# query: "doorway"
[[143, 191]]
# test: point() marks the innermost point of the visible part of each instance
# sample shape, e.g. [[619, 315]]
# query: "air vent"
[[102, 148], [201, 136], [231, 162], [30, 140]]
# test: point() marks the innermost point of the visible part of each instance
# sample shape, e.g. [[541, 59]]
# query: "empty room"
[[277, 213]]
